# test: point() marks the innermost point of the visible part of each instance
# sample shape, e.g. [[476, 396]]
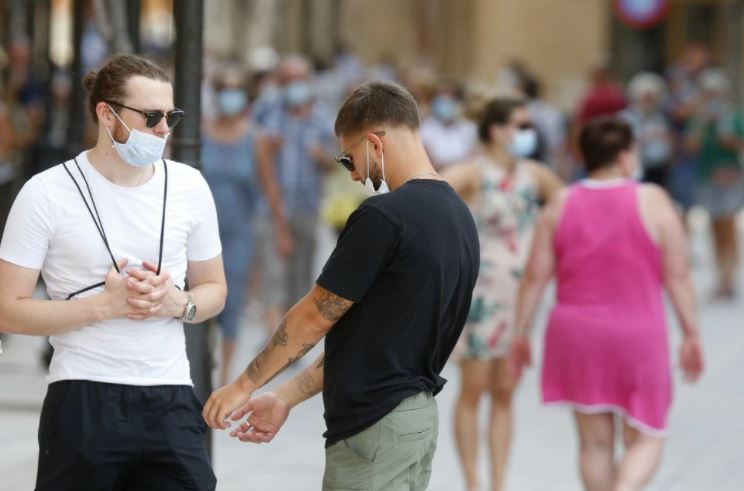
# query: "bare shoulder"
[[555, 205], [654, 198], [466, 170]]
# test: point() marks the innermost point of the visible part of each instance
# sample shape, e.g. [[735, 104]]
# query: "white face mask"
[[369, 185], [141, 149]]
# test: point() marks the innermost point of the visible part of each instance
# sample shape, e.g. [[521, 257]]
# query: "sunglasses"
[[345, 157], [152, 118]]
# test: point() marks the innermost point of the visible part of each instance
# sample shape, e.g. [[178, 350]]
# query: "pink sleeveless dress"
[[606, 346]]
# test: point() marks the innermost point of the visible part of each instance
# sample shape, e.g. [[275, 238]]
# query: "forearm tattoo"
[[330, 306], [305, 382]]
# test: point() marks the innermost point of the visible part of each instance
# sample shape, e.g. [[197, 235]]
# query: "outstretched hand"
[[266, 415]]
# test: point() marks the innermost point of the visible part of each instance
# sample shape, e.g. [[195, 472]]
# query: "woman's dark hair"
[[498, 111], [108, 83], [602, 140]]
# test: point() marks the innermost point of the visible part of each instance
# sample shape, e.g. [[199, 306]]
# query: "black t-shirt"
[[408, 260]]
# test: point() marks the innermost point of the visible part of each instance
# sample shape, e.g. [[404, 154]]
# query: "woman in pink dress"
[[613, 245]]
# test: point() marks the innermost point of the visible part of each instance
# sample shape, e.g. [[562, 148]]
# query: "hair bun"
[[89, 80]]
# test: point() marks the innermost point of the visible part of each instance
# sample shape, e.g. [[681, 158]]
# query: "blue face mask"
[[298, 93], [444, 108], [524, 143], [231, 101]]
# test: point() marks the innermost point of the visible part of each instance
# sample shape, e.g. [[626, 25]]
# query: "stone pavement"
[[705, 449]]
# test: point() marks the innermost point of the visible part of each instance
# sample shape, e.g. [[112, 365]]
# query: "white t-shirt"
[[448, 144], [49, 228]]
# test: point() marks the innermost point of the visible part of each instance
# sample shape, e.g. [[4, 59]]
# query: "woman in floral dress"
[[504, 190]]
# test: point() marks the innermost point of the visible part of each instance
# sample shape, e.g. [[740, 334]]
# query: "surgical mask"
[[444, 108], [369, 185], [298, 93], [141, 149], [231, 102], [524, 143]]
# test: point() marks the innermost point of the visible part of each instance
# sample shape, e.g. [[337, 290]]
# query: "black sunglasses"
[[345, 158], [152, 118]]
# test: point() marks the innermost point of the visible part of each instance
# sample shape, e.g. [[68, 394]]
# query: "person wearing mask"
[[504, 190], [228, 165], [391, 302], [116, 233], [294, 144], [716, 136], [606, 353], [448, 137], [651, 128]]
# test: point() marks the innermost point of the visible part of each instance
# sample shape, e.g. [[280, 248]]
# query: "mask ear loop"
[[366, 146]]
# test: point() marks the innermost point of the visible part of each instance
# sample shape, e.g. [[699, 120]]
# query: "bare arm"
[[304, 386], [676, 269], [303, 326], [22, 314], [548, 182], [540, 265], [265, 154]]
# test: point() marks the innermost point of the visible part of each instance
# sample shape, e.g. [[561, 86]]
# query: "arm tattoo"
[[330, 306], [254, 369], [305, 382], [305, 348], [280, 336]]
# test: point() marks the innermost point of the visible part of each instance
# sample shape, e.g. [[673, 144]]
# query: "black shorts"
[[98, 436]]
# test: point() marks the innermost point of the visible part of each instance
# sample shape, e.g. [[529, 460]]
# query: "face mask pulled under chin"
[[369, 185], [141, 149]]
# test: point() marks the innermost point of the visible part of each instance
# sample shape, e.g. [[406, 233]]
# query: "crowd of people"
[[539, 182]]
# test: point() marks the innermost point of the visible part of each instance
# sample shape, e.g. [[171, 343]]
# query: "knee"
[[501, 398], [471, 396]]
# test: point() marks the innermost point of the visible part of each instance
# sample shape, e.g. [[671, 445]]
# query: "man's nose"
[[161, 129]]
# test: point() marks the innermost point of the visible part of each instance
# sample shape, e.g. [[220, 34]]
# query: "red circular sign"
[[641, 14]]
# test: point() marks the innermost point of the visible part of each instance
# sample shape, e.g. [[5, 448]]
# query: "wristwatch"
[[189, 312]]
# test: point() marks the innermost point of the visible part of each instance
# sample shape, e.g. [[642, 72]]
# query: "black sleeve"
[[363, 250]]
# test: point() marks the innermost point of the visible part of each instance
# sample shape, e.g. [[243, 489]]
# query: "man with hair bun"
[[116, 233]]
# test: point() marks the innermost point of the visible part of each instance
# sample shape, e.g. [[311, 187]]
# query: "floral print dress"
[[505, 211]]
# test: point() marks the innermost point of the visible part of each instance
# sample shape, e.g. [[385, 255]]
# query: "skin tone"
[[138, 294], [600, 470], [491, 378], [312, 317]]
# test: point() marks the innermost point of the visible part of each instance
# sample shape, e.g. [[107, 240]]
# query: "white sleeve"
[[29, 227], [204, 239]]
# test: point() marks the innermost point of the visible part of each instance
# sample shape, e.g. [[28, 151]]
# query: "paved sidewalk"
[[705, 449]]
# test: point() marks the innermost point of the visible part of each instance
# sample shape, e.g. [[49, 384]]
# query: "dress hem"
[[613, 408]]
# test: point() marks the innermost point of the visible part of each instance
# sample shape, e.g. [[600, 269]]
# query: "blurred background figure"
[[550, 123], [229, 166], [716, 136], [684, 96], [21, 119], [651, 128], [448, 137], [504, 190], [296, 144], [603, 97]]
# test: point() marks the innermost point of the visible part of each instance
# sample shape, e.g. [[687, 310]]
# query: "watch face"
[[191, 312]]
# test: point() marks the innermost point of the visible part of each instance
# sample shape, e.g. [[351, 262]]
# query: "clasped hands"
[[142, 293]]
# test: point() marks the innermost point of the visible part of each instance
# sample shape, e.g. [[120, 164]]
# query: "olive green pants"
[[393, 454]]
